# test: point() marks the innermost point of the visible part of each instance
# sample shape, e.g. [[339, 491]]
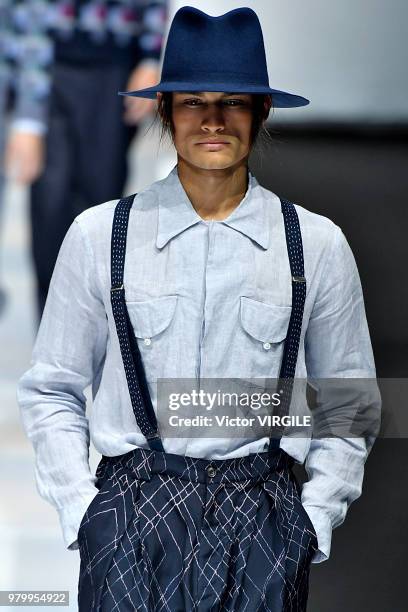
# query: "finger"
[[12, 168], [145, 108], [133, 114]]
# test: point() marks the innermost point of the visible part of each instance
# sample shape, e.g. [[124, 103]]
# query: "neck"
[[214, 194]]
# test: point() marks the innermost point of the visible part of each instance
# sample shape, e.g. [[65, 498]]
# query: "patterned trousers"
[[175, 533]]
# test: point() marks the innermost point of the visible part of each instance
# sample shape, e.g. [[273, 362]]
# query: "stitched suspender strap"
[[291, 346], [132, 361]]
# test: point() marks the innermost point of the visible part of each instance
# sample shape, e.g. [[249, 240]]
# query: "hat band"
[[216, 77]]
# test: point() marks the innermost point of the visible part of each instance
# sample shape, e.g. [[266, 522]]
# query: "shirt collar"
[[176, 212]]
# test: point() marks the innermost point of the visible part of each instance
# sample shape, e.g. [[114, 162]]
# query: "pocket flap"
[[265, 322], [151, 317]]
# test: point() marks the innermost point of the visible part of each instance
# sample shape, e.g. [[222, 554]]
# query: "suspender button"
[[211, 471]]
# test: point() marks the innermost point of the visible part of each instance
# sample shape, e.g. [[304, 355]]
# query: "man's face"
[[212, 129]]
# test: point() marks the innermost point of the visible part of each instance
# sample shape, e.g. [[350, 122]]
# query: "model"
[[202, 275]]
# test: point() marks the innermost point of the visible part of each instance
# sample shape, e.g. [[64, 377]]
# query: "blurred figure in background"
[[70, 134], [6, 74]]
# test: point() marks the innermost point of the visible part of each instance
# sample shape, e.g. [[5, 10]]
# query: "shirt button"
[[267, 345], [147, 341], [211, 471]]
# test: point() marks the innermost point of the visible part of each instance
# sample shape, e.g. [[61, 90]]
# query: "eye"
[[229, 102], [234, 102], [192, 102]]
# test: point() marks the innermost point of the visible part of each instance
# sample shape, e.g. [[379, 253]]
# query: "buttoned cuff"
[[323, 528], [34, 126], [71, 517]]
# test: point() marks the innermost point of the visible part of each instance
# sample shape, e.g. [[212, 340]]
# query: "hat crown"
[[209, 48], [217, 53]]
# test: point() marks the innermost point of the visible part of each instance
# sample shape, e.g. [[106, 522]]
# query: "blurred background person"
[[70, 134], [6, 79]]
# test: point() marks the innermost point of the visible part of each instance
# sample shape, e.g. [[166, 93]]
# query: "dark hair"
[[258, 131]]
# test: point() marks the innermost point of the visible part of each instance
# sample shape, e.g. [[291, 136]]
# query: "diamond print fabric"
[[164, 534]]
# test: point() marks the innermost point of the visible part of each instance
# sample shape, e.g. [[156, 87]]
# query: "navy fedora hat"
[[223, 53]]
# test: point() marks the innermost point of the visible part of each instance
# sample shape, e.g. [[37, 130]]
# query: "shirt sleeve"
[[29, 51], [337, 345], [153, 19], [68, 355]]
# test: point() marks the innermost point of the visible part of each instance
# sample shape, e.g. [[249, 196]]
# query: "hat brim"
[[280, 99]]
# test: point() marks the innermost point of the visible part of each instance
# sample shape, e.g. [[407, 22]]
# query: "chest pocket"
[[265, 327], [151, 321]]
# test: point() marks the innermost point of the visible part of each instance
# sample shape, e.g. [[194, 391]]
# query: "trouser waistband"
[[142, 463]]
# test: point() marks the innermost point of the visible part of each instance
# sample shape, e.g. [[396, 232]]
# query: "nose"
[[213, 121]]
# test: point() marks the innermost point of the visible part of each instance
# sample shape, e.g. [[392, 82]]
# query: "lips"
[[213, 142], [213, 145]]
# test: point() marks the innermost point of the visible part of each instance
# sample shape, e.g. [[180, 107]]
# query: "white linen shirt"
[[207, 299]]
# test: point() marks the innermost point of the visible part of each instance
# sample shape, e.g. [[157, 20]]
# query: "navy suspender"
[[291, 346], [132, 361]]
